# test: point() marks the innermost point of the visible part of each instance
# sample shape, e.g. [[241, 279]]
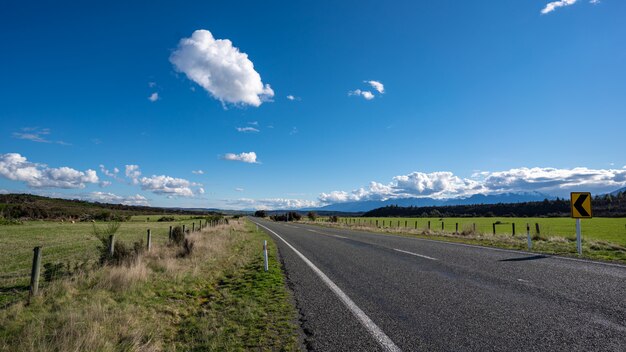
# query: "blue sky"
[[479, 97]]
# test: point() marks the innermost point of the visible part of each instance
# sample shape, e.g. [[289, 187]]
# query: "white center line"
[[384, 340], [415, 254], [326, 234]]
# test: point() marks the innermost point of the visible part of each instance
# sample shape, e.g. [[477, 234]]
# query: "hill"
[[32, 207]]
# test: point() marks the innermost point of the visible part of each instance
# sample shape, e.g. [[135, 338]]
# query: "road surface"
[[359, 291]]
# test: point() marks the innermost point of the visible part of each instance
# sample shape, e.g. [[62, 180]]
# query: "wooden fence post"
[[149, 240], [34, 274], [513, 228], [429, 224], [442, 226], [474, 227], [494, 228], [169, 237], [183, 229], [111, 245], [193, 227], [457, 228], [416, 224]]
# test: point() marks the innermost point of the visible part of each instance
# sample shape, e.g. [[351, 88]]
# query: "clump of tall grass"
[[122, 252]]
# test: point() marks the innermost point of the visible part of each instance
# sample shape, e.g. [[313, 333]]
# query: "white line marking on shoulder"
[[384, 340]]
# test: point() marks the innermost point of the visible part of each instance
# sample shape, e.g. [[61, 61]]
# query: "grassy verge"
[[61, 242], [217, 298], [557, 245], [601, 229]]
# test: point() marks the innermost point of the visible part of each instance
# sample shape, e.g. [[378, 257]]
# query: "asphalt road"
[[359, 291]]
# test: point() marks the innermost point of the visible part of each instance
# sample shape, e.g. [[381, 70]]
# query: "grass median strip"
[[216, 298]]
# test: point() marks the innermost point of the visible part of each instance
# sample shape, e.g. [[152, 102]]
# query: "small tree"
[[260, 214], [177, 235], [312, 215], [293, 216]]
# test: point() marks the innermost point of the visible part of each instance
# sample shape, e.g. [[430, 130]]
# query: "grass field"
[[604, 229], [63, 242], [602, 238], [216, 298], [155, 218]]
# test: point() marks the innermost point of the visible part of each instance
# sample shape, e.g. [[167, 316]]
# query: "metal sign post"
[[579, 244], [581, 209]]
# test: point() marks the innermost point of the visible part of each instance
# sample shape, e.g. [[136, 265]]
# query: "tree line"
[[32, 207], [603, 206]]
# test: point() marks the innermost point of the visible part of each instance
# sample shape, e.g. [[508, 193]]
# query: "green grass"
[[219, 298], [155, 218], [603, 229], [603, 238], [62, 242]]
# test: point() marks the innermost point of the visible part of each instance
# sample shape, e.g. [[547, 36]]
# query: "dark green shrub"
[[177, 235], [122, 253], [187, 248]]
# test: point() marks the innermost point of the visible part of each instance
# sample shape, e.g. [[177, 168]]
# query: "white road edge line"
[[415, 254], [384, 340]]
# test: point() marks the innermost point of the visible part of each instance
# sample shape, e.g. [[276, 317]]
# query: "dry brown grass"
[[125, 277], [101, 310], [86, 326]]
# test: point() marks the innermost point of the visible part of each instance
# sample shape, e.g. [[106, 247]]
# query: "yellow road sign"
[[581, 205]]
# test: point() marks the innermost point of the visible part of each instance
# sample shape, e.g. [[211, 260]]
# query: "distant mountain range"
[[614, 193], [363, 206]]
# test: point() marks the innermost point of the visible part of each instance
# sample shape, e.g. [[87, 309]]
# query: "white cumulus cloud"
[[16, 167], [551, 6], [364, 93], [162, 184], [153, 97], [243, 157], [197, 172], [106, 197], [444, 184], [270, 204], [132, 172], [221, 69], [114, 174], [379, 87], [168, 185]]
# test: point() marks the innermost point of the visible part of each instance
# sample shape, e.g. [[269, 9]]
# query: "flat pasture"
[[65, 242], [601, 229]]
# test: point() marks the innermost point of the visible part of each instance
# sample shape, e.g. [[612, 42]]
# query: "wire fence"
[[61, 257]]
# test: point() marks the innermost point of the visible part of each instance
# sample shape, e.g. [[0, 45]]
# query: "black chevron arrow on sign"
[[578, 205]]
